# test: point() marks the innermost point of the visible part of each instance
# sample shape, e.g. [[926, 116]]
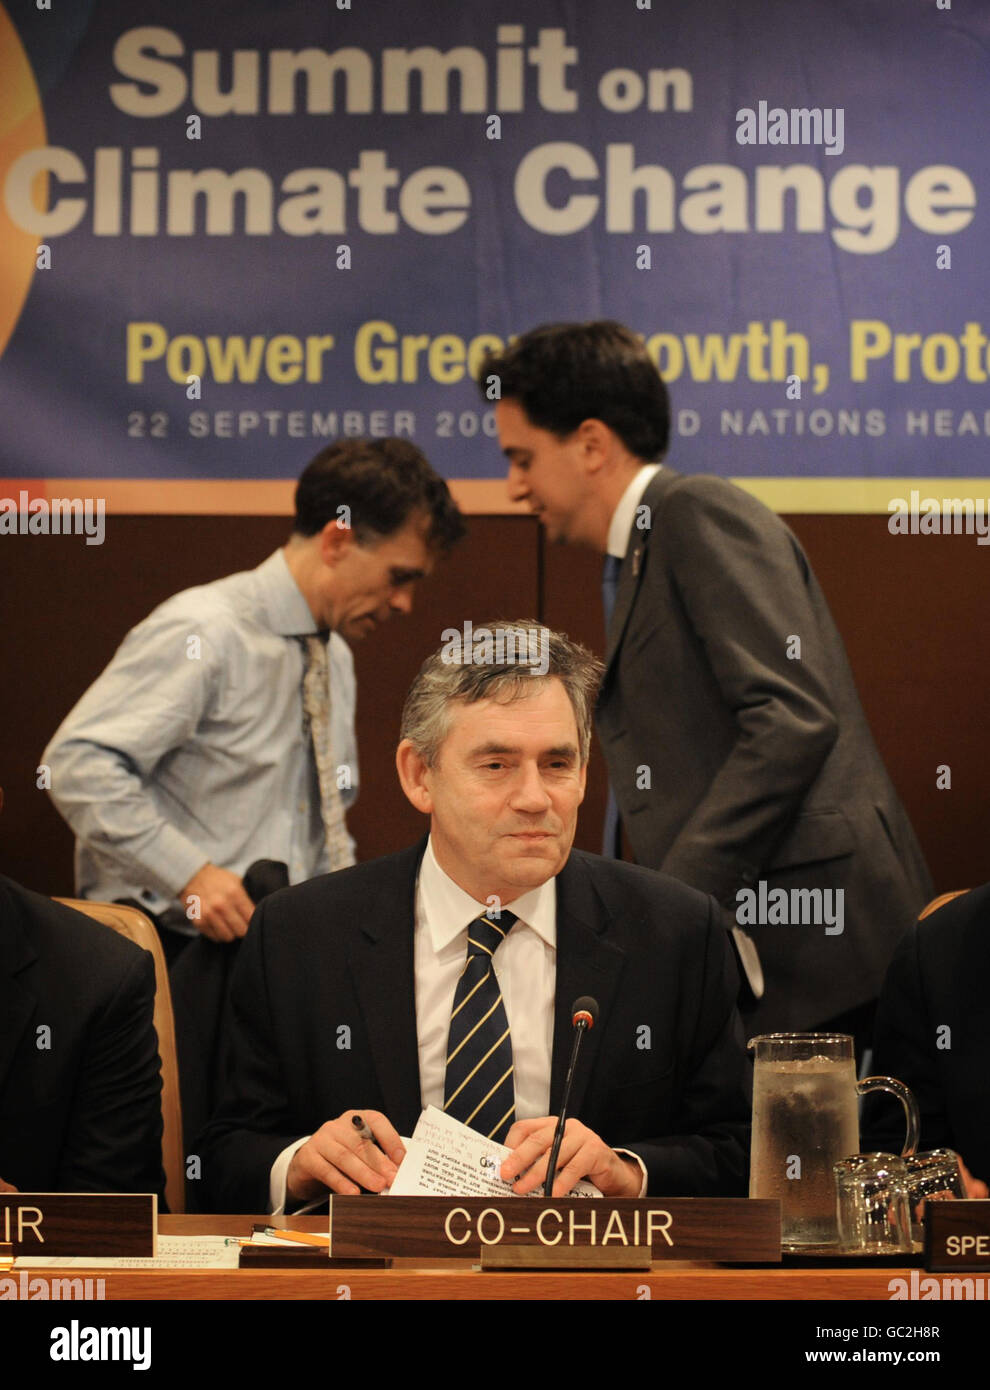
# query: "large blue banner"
[[233, 232]]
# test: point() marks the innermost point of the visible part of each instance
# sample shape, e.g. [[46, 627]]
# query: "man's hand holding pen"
[[358, 1151]]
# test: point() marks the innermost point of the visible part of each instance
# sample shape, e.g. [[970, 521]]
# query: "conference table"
[[445, 1279]]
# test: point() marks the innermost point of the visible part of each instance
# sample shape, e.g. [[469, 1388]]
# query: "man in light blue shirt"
[[191, 756]]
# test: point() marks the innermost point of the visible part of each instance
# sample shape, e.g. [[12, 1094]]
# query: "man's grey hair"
[[505, 661]]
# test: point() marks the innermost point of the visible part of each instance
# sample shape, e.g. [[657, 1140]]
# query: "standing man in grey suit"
[[739, 757]]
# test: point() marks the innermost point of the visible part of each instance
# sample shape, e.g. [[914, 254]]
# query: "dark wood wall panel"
[[911, 610]]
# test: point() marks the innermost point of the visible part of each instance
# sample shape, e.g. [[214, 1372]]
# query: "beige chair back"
[[940, 901], [129, 922]]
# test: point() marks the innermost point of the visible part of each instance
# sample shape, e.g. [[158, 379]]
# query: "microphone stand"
[[583, 1017]]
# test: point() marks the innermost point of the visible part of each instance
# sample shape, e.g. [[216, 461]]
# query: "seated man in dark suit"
[[80, 1076], [933, 1033], [353, 988]]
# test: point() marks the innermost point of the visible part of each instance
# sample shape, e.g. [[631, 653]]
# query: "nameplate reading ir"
[[676, 1228], [79, 1223], [957, 1235]]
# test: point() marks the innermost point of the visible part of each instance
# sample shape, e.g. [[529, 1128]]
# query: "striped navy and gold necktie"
[[479, 1085]]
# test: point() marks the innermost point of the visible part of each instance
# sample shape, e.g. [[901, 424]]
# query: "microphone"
[[584, 1015], [265, 876]]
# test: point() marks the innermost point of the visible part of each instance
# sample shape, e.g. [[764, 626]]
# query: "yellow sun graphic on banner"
[[22, 127]]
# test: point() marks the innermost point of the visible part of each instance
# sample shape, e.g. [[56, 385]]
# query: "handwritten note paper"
[[446, 1159]]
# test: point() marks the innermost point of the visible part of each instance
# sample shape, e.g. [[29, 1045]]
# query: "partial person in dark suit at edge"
[[933, 1033], [762, 765], [80, 1076], [496, 755]]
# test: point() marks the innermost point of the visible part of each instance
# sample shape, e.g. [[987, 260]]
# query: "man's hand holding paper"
[[582, 1155]]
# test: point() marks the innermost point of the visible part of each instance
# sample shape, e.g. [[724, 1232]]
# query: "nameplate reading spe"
[[676, 1228], [957, 1235], [80, 1223]]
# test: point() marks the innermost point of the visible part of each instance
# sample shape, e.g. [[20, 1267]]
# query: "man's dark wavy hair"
[[382, 482], [564, 373]]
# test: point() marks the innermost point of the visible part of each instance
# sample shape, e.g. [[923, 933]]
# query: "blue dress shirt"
[[191, 747]]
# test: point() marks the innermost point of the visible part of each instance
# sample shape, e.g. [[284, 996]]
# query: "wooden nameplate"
[[957, 1235], [80, 1223], [674, 1228]]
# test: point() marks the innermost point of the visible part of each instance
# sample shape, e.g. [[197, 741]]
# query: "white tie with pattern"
[[316, 707]]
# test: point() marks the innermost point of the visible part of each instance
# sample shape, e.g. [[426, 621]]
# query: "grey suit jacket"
[[737, 746]]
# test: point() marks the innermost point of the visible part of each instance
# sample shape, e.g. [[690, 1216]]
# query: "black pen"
[[358, 1122]]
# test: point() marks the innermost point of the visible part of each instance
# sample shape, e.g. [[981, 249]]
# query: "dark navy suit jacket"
[[663, 1073], [933, 1032], [81, 1113]]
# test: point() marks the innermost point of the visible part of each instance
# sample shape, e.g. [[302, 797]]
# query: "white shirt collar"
[[447, 909], [624, 514], [288, 613]]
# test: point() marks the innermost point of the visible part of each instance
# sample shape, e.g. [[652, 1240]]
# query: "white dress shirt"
[[620, 527], [525, 967], [191, 746]]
